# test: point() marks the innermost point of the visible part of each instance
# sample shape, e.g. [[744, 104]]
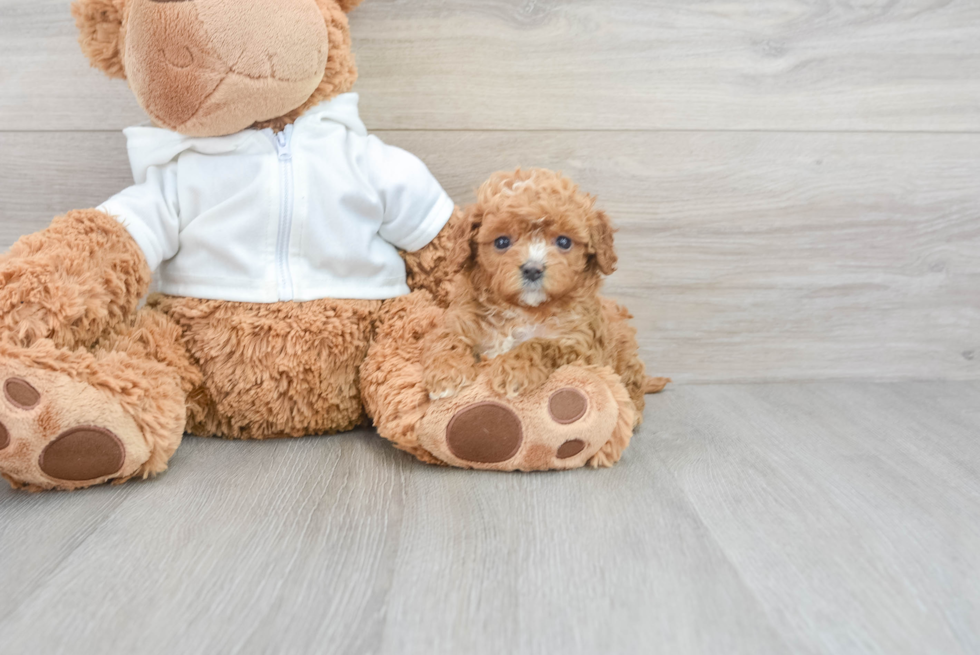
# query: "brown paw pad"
[[485, 433], [84, 453], [571, 448], [21, 394], [568, 406], [4, 436]]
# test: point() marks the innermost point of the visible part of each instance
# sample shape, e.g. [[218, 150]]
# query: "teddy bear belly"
[[274, 370]]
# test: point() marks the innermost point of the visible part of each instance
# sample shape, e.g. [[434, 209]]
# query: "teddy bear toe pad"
[[570, 448], [21, 393], [57, 432], [84, 453], [560, 426], [568, 405], [485, 433]]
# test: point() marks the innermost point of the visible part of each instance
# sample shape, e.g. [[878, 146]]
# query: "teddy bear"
[[517, 364], [278, 240], [270, 224]]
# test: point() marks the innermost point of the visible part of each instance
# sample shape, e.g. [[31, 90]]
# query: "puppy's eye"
[[563, 243], [502, 243]]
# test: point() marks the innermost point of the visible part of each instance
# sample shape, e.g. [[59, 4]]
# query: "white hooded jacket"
[[316, 211]]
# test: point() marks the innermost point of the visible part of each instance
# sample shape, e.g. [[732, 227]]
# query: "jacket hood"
[[150, 146]]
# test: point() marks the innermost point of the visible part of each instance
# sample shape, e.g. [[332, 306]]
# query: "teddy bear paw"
[[560, 425], [57, 432]]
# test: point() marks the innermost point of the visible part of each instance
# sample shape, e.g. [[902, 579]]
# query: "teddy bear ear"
[[99, 25], [348, 5]]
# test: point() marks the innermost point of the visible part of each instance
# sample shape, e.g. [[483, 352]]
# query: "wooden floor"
[[809, 518]]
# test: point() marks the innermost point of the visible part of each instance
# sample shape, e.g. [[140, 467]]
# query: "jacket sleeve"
[[150, 213], [416, 207]]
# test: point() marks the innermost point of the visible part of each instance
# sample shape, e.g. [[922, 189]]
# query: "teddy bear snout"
[[282, 39], [214, 67]]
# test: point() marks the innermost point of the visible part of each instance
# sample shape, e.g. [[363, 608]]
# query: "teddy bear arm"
[[72, 281], [434, 267]]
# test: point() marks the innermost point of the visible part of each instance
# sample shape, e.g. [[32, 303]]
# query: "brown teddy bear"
[[267, 216], [279, 234]]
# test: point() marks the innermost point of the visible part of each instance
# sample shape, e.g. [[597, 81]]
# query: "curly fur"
[[277, 370], [523, 330], [69, 296], [435, 267], [121, 367], [101, 34], [391, 375], [72, 281], [439, 339]]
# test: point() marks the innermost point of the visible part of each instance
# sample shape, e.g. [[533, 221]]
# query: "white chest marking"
[[505, 335]]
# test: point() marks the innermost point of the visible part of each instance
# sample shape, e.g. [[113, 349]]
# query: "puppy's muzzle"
[[532, 272]]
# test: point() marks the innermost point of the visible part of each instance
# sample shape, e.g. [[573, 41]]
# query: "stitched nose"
[[532, 272]]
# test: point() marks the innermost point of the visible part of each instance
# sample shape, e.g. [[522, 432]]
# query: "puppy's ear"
[[348, 5], [601, 246], [463, 253], [100, 30]]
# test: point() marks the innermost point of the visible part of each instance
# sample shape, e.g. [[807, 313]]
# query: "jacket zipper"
[[286, 192]]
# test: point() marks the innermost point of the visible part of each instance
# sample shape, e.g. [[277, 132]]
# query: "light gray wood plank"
[[584, 64], [347, 546], [33, 549], [811, 518], [549, 564], [881, 480], [744, 256], [235, 543]]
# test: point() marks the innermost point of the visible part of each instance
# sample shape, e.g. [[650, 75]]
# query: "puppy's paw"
[[511, 377], [444, 381]]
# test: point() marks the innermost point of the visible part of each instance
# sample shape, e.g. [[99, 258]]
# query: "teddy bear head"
[[215, 67]]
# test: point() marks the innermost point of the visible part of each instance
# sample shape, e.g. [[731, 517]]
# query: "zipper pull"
[[282, 144]]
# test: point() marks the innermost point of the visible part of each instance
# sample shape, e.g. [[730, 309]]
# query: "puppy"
[[533, 251]]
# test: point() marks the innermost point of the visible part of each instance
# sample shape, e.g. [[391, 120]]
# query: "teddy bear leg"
[[274, 370], [582, 416], [76, 418], [391, 376]]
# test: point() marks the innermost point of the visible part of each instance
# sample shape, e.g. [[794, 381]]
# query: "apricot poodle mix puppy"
[[536, 250]]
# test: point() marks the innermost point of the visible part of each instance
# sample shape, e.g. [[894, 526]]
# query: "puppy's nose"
[[532, 272]]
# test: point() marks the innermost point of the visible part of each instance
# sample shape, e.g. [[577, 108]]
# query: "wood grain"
[[812, 518], [584, 64], [744, 256]]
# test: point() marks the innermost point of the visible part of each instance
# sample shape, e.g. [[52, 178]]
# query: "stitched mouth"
[[205, 103], [279, 83]]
